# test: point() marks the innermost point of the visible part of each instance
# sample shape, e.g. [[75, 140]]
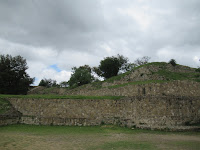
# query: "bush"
[[80, 76], [198, 69], [111, 66], [172, 62], [48, 83]]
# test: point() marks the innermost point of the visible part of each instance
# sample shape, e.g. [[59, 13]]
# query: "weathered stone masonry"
[[11, 117], [146, 111], [154, 105]]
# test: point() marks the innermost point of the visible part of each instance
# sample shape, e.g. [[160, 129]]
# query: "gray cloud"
[[58, 24]]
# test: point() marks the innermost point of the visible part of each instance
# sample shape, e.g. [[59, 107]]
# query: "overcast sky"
[[56, 35]]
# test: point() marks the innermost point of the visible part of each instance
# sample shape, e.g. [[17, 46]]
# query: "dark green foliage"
[[111, 66], [13, 76], [80, 76], [48, 83], [197, 75], [197, 80], [198, 69], [4, 105], [64, 84], [172, 62]]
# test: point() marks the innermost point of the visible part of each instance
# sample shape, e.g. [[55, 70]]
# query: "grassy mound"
[[155, 72]]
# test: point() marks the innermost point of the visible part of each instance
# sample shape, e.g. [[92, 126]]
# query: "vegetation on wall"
[[198, 69], [4, 105]]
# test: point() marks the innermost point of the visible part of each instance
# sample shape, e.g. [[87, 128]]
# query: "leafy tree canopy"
[[172, 62], [13, 76], [111, 66], [48, 83], [80, 76], [64, 84]]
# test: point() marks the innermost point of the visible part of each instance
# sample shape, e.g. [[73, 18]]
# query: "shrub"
[[198, 69], [172, 62]]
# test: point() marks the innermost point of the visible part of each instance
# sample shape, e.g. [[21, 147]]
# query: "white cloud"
[[140, 15], [197, 59], [58, 76], [52, 74]]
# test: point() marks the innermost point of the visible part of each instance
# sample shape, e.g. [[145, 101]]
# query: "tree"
[[13, 76], [80, 76], [141, 61], [64, 84], [48, 83], [172, 62], [111, 66], [198, 69]]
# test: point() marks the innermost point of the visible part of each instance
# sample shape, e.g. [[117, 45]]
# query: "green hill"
[[155, 72]]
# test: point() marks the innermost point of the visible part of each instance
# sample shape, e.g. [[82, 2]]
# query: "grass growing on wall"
[[4, 105], [163, 72], [137, 83], [112, 79], [60, 97], [177, 75]]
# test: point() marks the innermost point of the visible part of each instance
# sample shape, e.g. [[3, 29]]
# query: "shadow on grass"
[[125, 145]]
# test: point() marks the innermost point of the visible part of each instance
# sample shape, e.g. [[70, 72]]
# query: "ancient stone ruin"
[[158, 104]]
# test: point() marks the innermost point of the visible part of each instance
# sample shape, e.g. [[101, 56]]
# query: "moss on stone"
[[4, 105]]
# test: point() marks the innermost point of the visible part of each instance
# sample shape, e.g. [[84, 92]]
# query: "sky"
[[54, 36]]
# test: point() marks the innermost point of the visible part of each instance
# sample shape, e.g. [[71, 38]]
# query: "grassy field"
[[30, 137]]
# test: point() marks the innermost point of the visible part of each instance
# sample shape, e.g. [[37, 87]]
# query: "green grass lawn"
[[96, 137]]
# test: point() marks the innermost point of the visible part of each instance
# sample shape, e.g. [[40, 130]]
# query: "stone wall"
[[145, 111], [12, 116], [173, 88], [8, 120]]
